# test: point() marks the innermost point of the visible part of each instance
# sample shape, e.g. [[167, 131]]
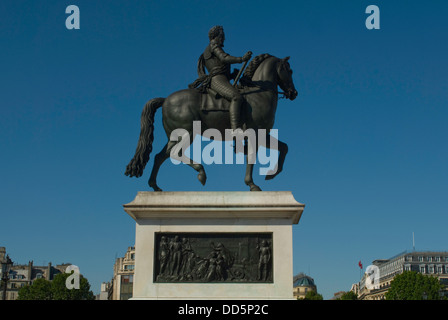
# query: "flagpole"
[[360, 271], [360, 274], [359, 283]]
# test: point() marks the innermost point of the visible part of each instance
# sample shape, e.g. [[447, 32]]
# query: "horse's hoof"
[[255, 188], [155, 187], [202, 178]]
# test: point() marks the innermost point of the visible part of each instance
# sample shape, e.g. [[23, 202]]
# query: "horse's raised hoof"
[[272, 174], [202, 177], [255, 188]]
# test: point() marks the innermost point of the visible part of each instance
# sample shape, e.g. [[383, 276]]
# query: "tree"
[[42, 289], [39, 290], [349, 296], [411, 285], [313, 295], [60, 291]]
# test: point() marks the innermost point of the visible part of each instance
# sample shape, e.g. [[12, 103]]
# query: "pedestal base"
[[213, 245]]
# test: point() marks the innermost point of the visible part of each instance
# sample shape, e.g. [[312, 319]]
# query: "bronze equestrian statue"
[[252, 104], [217, 63]]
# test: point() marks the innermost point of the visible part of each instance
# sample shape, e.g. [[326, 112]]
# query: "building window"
[[429, 259], [437, 259], [422, 269], [439, 270], [39, 276], [420, 259], [431, 269], [127, 279]]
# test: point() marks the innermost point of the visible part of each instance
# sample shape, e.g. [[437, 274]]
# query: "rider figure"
[[218, 63]]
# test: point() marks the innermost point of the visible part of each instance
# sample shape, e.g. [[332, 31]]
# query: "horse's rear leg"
[[159, 159], [248, 179], [202, 177], [164, 154]]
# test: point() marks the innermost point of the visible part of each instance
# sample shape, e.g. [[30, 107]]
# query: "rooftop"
[[303, 280]]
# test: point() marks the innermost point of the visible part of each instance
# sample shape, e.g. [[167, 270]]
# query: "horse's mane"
[[253, 65]]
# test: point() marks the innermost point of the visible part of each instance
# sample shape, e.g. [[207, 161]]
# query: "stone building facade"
[[425, 262], [23, 275], [123, 279]]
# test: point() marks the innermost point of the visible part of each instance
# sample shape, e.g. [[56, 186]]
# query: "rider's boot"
[[235, 110]]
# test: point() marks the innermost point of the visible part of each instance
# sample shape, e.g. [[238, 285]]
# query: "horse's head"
[[284, 74]]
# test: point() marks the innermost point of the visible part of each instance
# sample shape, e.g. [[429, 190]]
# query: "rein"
[[252, 84]]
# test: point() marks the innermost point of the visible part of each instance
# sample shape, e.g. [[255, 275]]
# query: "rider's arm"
[[224, 57]]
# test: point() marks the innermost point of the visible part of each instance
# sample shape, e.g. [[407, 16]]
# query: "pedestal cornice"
[[215, 205]]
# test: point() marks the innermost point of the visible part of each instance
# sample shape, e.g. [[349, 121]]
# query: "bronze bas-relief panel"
[[213, 257]]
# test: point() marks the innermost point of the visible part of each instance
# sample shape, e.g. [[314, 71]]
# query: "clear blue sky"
[[367, 134]]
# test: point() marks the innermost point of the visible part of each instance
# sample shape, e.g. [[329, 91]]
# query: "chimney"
[[49, 271]]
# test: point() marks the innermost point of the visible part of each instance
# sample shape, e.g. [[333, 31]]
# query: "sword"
[[240, 73]]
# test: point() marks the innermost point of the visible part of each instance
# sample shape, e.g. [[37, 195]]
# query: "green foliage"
[[349, 296], [60, 291], [42, 289], [313, 295], [39, 290], [411, 285]]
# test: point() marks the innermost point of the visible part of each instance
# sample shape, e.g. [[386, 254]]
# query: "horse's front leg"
[[273, 143]]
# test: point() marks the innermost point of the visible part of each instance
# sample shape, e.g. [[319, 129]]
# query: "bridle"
[[265, 88]]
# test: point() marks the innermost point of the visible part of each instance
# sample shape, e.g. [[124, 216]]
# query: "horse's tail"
[[144, 147]]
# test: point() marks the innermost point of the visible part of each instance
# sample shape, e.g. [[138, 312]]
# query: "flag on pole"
[[360, 264]]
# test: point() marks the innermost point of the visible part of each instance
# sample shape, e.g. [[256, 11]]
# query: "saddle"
[[213, 101]]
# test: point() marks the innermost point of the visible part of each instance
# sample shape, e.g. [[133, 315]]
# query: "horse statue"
[[259, 83]]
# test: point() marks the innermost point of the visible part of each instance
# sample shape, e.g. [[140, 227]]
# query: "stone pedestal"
[[236, 222]]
